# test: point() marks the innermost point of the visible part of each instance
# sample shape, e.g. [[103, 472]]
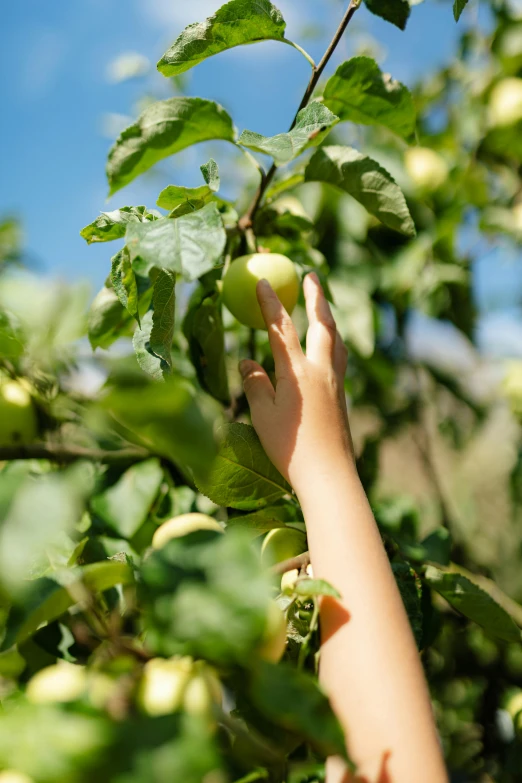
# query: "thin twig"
[[301, 561], [68, 454], [246, 221]]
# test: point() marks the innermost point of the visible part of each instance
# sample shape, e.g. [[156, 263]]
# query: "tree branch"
[[301, 561], [68, 454], [246, 221]]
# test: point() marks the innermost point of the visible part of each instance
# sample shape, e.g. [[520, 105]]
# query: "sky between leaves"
[[58, 103]]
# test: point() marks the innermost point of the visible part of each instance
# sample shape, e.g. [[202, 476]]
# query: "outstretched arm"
[[370, 666]]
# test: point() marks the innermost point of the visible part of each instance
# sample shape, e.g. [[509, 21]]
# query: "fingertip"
[[245, 366]]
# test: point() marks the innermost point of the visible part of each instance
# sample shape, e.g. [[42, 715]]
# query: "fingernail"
[[244, 367]]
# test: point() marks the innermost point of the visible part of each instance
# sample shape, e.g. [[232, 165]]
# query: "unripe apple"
[[62, 682], [163, 685], [13, 776], [18, 423], [514, 703], [505, 102], [282, 544], [203, 691], [273, 643], [289, 579], [182, 526], [426, 168], [239, 285]]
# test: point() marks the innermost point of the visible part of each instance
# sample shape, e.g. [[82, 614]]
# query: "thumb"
[[256, 384]]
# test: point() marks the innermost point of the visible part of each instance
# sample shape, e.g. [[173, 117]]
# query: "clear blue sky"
[[55, 94]]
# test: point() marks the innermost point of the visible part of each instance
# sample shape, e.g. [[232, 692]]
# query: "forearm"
[[370, 666]]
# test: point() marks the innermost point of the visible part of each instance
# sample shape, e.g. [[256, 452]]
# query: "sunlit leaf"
[[112, 225], [359, 92], [365, 180], [237, 22], [108, 319], [312, 125], [163, 313], [124, 282], [164, 128]]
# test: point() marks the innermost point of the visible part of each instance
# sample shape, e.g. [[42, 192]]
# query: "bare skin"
[[370, 666]]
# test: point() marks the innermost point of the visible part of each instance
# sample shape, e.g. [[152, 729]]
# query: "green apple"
[[163, 684], [182, 526], [239, 285], [273, 643], [282, 544], [62, 682], [505, 102], [289, 579], [18, 422], [13, 776], [203, 691], [426, 168]]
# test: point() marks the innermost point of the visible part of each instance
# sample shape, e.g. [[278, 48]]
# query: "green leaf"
[[236, 23], [124, 282], [11, 340], [293, 700], [125, 506], [210, 173], [242, 475], [365, 180], [50, 598], [354, 314], [473, 602], [313, 124], [183, 201], [394, 11], [203, 328], [458, 7], [164, 128], [437, 546], [153, 365], [205, 594], [410, 589], [265, 519], [107, 319], [112, 225], [168, 418], [312, 588], [359, 92], [287, 183], [163, 313], [190, 245]]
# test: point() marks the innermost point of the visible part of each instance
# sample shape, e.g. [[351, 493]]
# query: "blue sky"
[[56, 97]]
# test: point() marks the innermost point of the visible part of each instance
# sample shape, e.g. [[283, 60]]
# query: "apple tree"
[[158, 611]]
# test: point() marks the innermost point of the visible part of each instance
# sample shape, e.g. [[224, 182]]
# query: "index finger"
[[284, 341]]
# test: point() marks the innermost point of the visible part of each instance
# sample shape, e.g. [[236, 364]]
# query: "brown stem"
[[68, 454], [301, 561], [246, 221]]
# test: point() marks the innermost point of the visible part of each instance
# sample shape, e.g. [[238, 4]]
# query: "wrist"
[[324, 478]]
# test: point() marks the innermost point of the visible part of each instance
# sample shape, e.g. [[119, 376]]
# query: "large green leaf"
[[149, 362], [474, 603], [50, 598], [242, 475], [293, 700], [124, 281], [265, 519], [190, 245], [312, 125], [205, 594], [365, 180], [168, 418], [236, 23], [124, 507], [107, 319], [394, 11], [203, 328], [359, 92], [163, 313], [164, 128], [112, 225]]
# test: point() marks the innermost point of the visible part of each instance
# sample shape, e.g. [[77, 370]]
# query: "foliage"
[[166, 431]]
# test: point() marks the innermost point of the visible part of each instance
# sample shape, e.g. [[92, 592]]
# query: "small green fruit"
[[18, 422], [182, 526], [426, 168], [239, 285], [62, 682], [505, 102], [163, 685], [282, 544], [273, 643], [203, 691]]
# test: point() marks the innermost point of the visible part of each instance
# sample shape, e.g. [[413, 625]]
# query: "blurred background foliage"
[[108, 455]]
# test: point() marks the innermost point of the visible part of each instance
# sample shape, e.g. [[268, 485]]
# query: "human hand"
[[303, 422]]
